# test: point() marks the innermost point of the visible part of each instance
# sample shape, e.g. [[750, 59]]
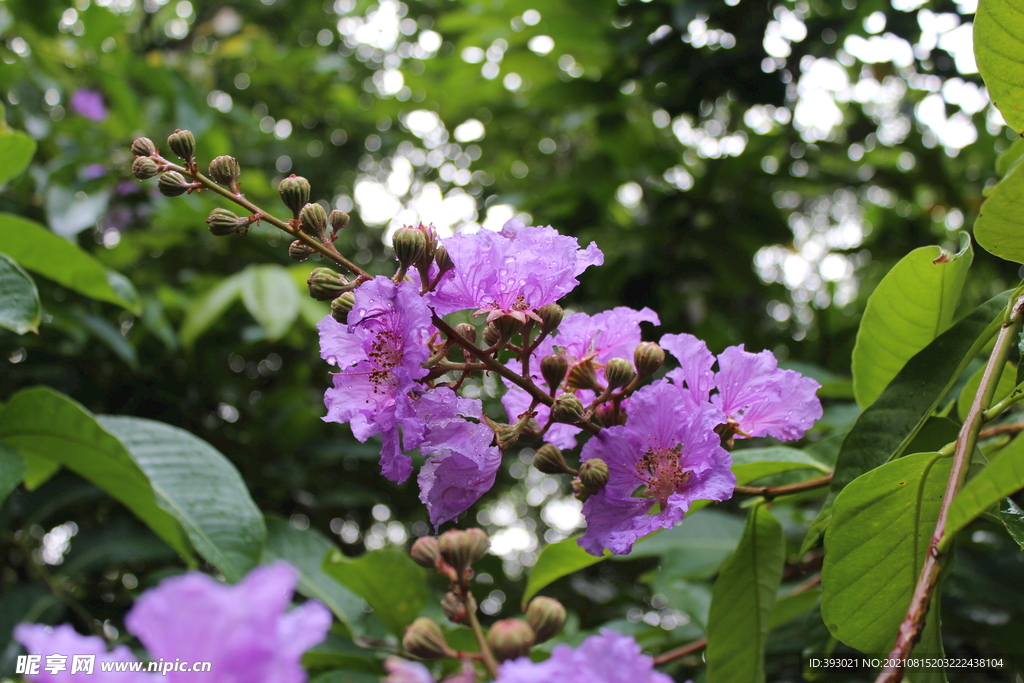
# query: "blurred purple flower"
[[607, 658], [89, 103], [243, 630], [92, 171], [671, 449], [403, 671], [380, 353], [514, 271]]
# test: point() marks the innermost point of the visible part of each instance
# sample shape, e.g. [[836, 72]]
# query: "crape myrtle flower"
[[89, 103], [511, 272], [606, 658], [243, 630], [404, 671], [669, 448], [756, 397], [582, 339], [381, 352]]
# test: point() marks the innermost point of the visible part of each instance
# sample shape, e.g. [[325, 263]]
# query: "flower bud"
[[342, 306], [183, 143], [299, 251], [326, 285], [172, 184], [510, 639], [143, 147], [647, 358], [443, 260], [409, 245], [610, 414], [461, 548], [223, 222], [567, 408], [549, 460], [594, 474], [423, 639], [224, 170], [550, 316], [507, 326], [552, 369], [338, 220], [546, 616], [579, 491], [491, 335], [145, 168], [584, 376], [618, 373], [467, 332], [453, 607], [294, 191], [314, 219], [426, 552]]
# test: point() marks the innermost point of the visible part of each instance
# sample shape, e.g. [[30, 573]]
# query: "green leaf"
[[1009, 159], [742, 601], [912, 305], [37, 249], [388, 580], [887, 426], [749, 464], [271, 297], [555, 561], [20, 309], [306, 550], [194, 482], [999, 228], [998, 42], [38, 470], [1007, 382], [789, 607], [12, 470], [875, 546], [16, 151], [694, 549], [339, 652], [1012, 517], [209, 308], [1003, 475]]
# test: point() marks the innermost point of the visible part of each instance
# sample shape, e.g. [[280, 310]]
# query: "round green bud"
[[618, 373], [426, 552], [299, 251], [510, 639], [553, 369], [224, 170], [338, 220], [143, 147], [314, 219], [546, 616], [342, 306], [145, 168], [507, 326], [326, 285], [409, 245], [491, 335], [460, 549], [549, 460], [584, 376], [567, 408], [443, 260], [594, 474], [294, 191], [223, 222], [550, 316], [172, 184], [423, 639], [183, 143], [647, 358], [467, 332]]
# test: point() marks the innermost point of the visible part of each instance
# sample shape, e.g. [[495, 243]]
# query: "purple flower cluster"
[[244, 631], [607, 658]]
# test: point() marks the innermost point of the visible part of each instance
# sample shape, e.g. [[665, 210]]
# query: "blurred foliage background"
[[750, 169]]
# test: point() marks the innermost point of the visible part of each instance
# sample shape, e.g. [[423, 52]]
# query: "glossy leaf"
[[875, 547], [16, 151], [742, 601], [306, 549], [998, 42], [1012, 517], [12, 470], [206, 310], [388, 580], [19, 299], [37, 249], [271, 297], [887, 426], [555, 561], [1003, 476], [912, 305]]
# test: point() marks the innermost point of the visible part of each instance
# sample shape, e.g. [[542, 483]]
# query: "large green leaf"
[[789, 607], [998, 44], [16, 150], [1002, 476], [194, 482], [742, 601], [912, 305], [555, 561], [19, 299], [749, 464], [696, 548], [208, 308], [875, 547], [39, 250], [271, 297], [306, 550], [887, 426], [12, 470], [388, 580], [1000, 228]]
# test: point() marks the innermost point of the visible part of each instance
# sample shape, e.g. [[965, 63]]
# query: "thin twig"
[[998, 430], [770, 492], [681, 651]]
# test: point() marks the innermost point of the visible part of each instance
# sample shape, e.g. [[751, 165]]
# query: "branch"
[[770, 492], [913, 622], [998, 430], [681, 651]]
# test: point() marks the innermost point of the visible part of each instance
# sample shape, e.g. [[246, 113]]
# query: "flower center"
[[385, 355], [660, 469]]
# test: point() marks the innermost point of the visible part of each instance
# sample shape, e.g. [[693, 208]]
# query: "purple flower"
[[586, 340], [607, 658], [694, 376], [243, 630], [381, 353], [462, 463], [671, 449], [89, 103], [403, 671], [513, 271]]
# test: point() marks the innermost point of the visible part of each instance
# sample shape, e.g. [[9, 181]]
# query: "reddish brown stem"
[[770, 492]]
